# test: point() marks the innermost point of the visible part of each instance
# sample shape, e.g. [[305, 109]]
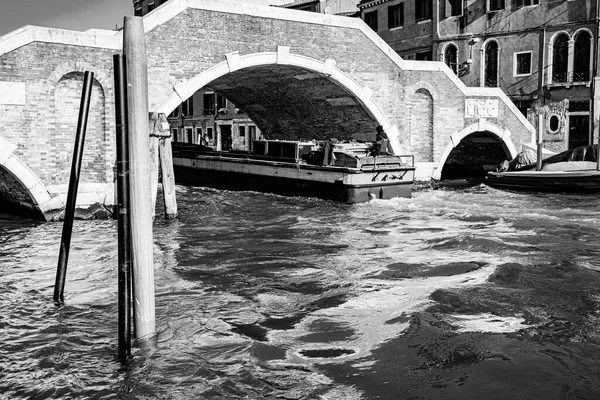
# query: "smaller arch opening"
[[582, 57], [14, 198], [560, 58], [491, 64], [451, 58], [475, 155]]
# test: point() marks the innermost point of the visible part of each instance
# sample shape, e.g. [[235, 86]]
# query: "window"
[[526, 3], [396, 15], [252, 132], [209, 133], [581, 59], [187, 107], [553, 123], [490, 73], [454, 8], [209, 103], [451, 57], [522, 63], [242, 131], [371, 20], [495, 5], [221, 103], [423, 10], [174, 134], [424, 56], [150, 6], [560, 58], [138, 11]]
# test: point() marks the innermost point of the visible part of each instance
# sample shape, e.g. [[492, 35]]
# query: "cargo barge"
[[346, 172]]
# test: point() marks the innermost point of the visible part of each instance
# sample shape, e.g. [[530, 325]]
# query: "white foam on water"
[[372, 313], [486, 322]]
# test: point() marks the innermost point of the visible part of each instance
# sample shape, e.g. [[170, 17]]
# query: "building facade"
[[542, 53]]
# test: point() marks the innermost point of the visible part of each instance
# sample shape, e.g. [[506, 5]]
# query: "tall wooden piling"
[[124, 232], [134, 49]]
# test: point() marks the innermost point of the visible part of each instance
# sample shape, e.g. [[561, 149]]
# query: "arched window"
[[451, 57], [491, 65], [560, 59], [581, 60]]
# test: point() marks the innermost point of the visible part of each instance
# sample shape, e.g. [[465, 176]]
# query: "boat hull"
[[547, 181], [350, 185]]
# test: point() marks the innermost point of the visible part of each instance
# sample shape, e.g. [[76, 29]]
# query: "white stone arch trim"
[[233, 62], [484, 46], [33, 185], [482, 126]]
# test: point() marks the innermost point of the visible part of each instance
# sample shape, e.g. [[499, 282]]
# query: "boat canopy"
[[527, 160]]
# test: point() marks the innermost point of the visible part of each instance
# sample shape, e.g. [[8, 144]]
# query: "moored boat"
[[573, 170], [345, 172]]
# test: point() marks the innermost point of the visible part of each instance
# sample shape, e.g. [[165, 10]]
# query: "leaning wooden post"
[[152, 124], [134, 49], [65, 242], [166, 167]]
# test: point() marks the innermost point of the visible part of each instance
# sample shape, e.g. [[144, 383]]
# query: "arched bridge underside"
[[298, 75]]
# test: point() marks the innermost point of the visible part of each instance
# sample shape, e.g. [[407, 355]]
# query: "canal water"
[[453, 294]]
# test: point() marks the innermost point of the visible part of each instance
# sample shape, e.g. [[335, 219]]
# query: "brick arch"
[[67, 100], [79, 66], [31, 184], [482, 126], [421, 134], [234, 62]]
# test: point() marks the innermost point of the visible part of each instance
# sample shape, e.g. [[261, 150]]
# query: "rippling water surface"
[[471, 293]]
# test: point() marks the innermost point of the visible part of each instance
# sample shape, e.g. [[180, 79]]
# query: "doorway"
[[579, 130], [226, 140]]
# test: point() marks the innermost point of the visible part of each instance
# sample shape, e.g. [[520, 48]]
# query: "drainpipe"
[[595, 94], [542, 63]]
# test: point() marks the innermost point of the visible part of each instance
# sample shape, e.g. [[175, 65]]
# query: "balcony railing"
[[570, 77]]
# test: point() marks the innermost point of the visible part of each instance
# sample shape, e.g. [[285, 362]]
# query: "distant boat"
[[573, 170], [346, 172]]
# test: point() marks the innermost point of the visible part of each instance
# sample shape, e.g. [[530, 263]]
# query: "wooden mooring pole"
[[65, 242], [134, 50], [162, 159], [124, 232]]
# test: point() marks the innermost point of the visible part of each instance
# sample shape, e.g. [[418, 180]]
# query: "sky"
[[78, 15]]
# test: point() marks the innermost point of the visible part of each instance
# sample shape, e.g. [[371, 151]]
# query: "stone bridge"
[[296, 74]]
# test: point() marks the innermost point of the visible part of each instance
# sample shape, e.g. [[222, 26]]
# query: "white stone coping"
[[98, 38]]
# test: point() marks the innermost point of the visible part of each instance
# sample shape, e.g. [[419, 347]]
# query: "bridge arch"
[[480, 127], [24, 187], [282, 57]]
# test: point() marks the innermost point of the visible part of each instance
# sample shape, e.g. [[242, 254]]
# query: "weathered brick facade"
[[296, 74]]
